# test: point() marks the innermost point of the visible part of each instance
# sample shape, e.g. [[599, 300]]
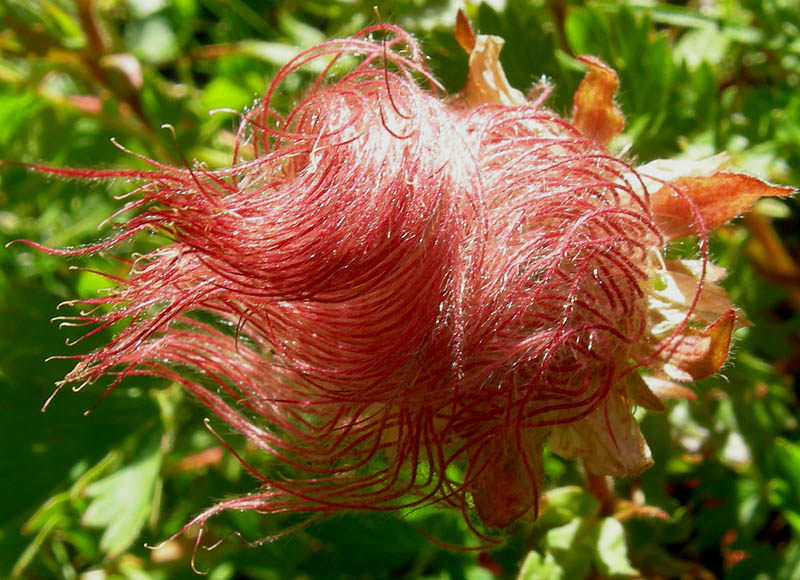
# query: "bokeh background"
[[81, 495]]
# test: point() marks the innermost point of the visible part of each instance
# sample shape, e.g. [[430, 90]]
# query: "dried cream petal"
[[640, 394], [694, 268], [608, 440], [486, 79], [674, 291], [667, 389], [657, 172]]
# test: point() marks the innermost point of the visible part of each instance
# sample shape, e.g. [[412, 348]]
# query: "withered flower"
[[405, 295]]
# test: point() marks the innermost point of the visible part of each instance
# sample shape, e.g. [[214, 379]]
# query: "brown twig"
[[600, 487]]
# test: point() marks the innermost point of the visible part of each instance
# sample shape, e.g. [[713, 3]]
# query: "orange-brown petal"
[[593, 111], [717, 198], [465, 35], [698, 354]]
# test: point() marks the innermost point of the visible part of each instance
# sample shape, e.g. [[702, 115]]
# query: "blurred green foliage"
[[82, 494]]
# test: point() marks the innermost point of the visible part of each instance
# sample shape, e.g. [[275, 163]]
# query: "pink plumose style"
[[405, 295]]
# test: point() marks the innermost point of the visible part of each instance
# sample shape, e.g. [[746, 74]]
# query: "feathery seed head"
[[405, 295]]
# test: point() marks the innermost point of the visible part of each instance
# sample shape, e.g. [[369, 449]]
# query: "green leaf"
[[611, 552], [276, 53], [122, 502], [90, 284], [34, 547], [477, 573], [152, 40], [585, 30], [707, 44], [45, 22], [791, 567], [300, 33], [536, 567], [563, 504], [787, 455], [573, 547], [223, 93], [15, 111], [145, 8]]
